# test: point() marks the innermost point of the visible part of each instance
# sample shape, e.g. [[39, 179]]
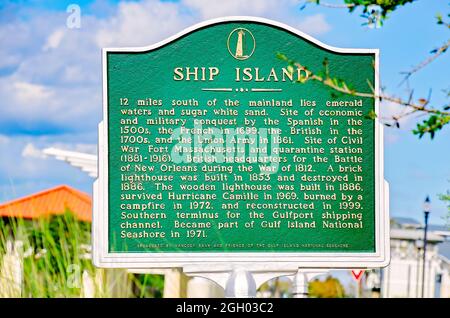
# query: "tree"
[[329, 288], [446, 198], [375, 12]]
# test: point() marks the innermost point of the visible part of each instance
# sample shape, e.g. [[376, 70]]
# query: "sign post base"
[[240, 284], [243, 281], [300, 281]]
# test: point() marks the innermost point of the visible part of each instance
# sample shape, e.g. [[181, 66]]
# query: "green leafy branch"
[[431, 125], [446, 198], [438, 118], [440, 20], [386, 6], [375, 11], [437, 52]]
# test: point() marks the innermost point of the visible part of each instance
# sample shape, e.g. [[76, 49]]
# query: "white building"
[[403, 277]]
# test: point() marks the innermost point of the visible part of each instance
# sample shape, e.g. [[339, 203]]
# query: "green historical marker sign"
[[220, 144]]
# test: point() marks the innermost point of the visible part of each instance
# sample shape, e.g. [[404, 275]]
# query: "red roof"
[[54, 201]]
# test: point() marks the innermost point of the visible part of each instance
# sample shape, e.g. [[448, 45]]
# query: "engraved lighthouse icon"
[[241, 43], [239, 50]]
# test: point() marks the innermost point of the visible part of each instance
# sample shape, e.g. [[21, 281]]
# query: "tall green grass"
[[56, 252]]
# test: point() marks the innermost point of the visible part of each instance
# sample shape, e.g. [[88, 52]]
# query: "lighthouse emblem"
[[241, 43]]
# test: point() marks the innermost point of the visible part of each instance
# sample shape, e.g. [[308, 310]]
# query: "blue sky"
[[50, 85]]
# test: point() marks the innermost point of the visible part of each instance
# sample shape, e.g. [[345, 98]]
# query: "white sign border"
[[103, 258]]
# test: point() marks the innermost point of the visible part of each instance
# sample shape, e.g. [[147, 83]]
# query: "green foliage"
[[371, 114], [56, 253], [386, 6], [148, 285], [446, 198], [284, 58], [329, 288], [276, 288], [292, 65], [440, 20], [374, 11], [63, 238], [431, 125]]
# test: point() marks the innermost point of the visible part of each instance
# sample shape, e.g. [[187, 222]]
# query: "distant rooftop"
[[402, 222], [412, 234], [54, 201], [403, 228], [405, 222], [439, 228]]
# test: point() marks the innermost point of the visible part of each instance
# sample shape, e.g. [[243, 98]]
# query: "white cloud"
[[78, 147], [27, 93], [281, 10], [218, 8], [147, 22], [54, 40], [138, 24], [31, 151], [314, 24], [23, 168], [41, 107], [86, 148], [4, 139], [389, 109], [23, 38]]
